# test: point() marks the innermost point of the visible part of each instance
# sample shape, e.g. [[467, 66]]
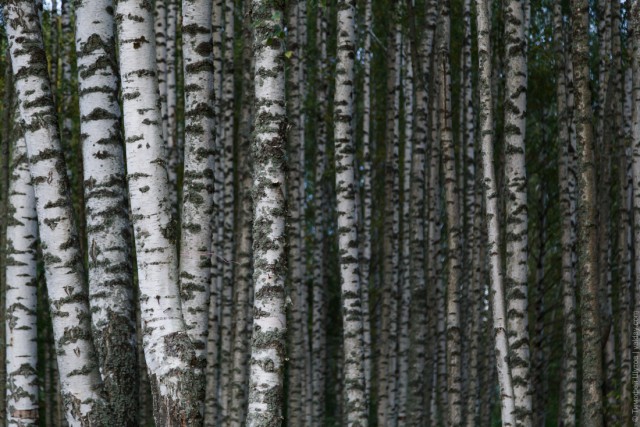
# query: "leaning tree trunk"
[[592, 404], [353, 351], [107, 216], [491, 211], [177, 384], [21, 289], [79, 376], [516, 207], [197, 185], [266, 398]]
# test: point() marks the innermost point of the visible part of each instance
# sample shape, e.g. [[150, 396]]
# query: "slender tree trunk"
[[592, 404], [496, 291], [353, 352], [107, 215], [318, 343], [516, 208], [587, 223], [197, 190], [212, 402], [243, 295], [366, 203], [266, 398], [227, 157], [295, 410], [568, 238], [80, 379], [177, 392], [388, 337], [418, 326], [626, 250], [21, 290], [170, 79], [4, 208], [452, 208]]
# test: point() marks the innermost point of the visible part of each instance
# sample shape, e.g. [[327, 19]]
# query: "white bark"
[[110, 273], [353, 351], [516, 207], [491, 212], [568, 238], [177, 385], [80, 380], [21, 291], [197, 191], [269, 256]]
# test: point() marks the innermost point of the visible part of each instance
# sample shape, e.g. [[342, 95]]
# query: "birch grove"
[[319, 213]]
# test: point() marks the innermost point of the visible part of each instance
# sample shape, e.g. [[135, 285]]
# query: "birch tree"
[[269, 257], [568, 207], [197, 187], [587, 225], [354, 383], [177, 384], [80, 381], [516, 206], [107, 217], [21, 289], [454, 368], [491, 213]]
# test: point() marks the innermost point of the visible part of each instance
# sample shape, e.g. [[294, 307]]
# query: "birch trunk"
[[243, 297], [21, 289], [387, 336], [171, 60], [227, 158], [107, 216], [496, 292], [452, 207], [626, 252], [353, 352], [80, 379], [4, 207], [405, 282], [213, 336], [592, 404], [296, 350], [366, 204], [197, 187], [567, 175], [318, 343], [516, 207], [177, 383], [418, 327], [269, 256]]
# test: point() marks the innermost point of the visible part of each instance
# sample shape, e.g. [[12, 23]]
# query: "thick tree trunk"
[[107, 214], [80, 379], [266, 398], [177, 382], [496, 291]]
